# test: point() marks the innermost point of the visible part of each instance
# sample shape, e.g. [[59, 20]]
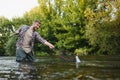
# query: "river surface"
[[54, 68]]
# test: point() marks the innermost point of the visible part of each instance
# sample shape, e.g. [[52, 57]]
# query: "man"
[[25, 43]]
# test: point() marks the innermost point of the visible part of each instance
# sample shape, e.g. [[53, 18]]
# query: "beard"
[[34, 28]]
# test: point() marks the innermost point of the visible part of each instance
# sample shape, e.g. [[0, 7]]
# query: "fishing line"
[[65, 56]]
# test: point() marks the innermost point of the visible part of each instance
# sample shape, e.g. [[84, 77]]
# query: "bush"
[[81, 51], [10, 47]]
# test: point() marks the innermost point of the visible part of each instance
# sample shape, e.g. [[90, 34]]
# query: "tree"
[[103, 29], [5, 30]]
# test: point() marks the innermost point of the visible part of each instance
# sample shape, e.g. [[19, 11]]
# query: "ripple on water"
[[51, 70], [8, 64]]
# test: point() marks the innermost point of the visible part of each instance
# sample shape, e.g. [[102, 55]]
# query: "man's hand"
[[13, 34], [49, 44]]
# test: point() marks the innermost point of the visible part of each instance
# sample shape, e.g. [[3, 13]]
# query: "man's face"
[[36, 26]]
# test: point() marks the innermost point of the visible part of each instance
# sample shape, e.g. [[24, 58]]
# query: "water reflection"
[[77, 61], [54, 69], [26, 71]]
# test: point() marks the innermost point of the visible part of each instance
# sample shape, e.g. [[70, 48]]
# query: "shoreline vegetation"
[[79, 27]]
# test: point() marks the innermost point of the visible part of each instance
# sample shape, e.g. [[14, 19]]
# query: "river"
[[53, 68]]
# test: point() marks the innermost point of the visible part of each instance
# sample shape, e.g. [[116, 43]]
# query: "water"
[[47, 68]]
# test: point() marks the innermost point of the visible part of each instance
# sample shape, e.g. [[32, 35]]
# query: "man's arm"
[[16, 32], [42, 40], [49, 44]]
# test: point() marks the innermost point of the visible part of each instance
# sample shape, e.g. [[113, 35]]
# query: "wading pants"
[[21, 55]]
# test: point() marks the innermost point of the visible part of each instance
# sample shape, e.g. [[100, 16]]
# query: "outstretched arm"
[[49, 44], [15, 32], [42, 40]]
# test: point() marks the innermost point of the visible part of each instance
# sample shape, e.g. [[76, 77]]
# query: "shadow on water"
[[46, 68]]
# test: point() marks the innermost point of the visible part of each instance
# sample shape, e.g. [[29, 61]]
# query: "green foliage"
[[64, 23], [5, 31], [38, 54], [103, 29], [77, 26], [2, 50], [11, 45], [81, 51]]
